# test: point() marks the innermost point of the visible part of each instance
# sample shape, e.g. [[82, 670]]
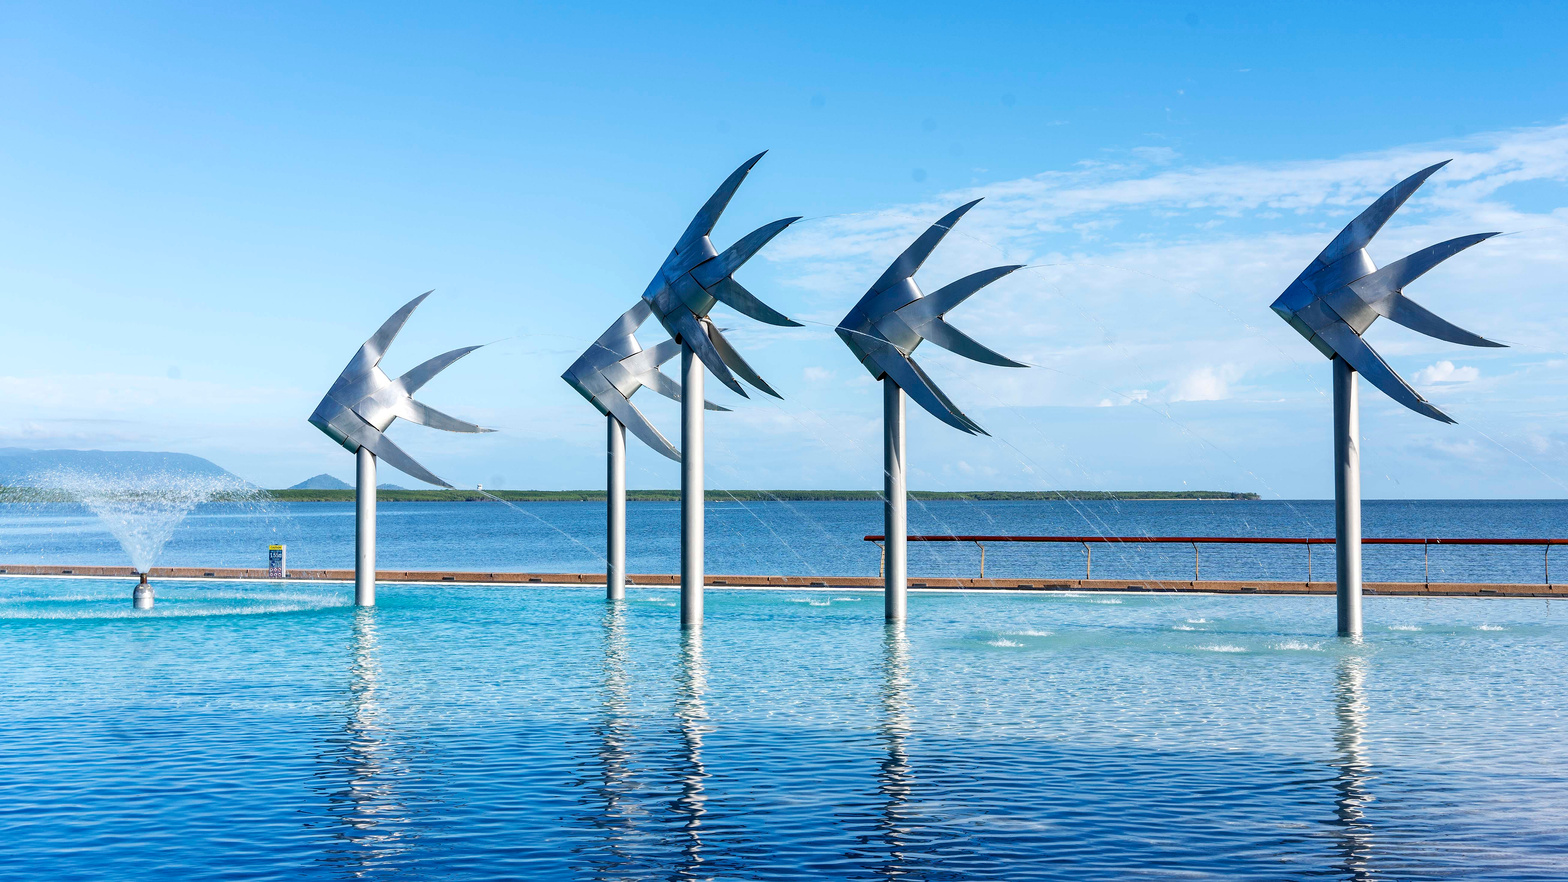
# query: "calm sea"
[[817, 538], [270, 732]]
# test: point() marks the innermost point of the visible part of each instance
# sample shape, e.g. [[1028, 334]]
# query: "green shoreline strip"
[[752, 495]]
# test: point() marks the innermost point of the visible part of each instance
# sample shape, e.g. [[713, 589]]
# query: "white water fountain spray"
[[142, 509]]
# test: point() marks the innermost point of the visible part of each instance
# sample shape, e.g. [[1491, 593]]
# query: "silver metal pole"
[[615, 511], [141, 595], [895, 516], [691, 489], [1347, 499], [365, 528]]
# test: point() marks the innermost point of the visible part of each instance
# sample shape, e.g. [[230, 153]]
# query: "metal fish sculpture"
[[696, 276], [895, 316], [616, 366], [1338, 296], [364, 400]]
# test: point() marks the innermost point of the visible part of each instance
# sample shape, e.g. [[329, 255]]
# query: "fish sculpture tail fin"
[[1347, 344], [425, 415], [663, 385], [730, 293], [370, 353], [702, 224], [629, 416], [915, 255], [738, 364], [694, 332], [1383, 290], [1360, 231], [906, 373]]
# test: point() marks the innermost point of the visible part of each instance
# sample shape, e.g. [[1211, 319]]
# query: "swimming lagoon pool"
[[272, 731]]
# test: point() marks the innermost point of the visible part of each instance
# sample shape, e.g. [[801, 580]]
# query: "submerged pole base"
[[141, 598]]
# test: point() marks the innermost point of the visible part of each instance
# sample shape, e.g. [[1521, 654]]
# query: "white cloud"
[[1206, 384], [1446, 372], [815, 374]]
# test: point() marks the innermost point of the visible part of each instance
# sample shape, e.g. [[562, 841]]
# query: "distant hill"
[[21, 467], [389, 487], [347, 495], [322, 482]]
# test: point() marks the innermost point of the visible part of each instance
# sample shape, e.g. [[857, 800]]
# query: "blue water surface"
[[823, 538], [256, 731]]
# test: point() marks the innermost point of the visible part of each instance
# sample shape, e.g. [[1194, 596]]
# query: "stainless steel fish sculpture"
[[696, 276], [1338, 296], [364, 400], [895, 316], [616, 366]]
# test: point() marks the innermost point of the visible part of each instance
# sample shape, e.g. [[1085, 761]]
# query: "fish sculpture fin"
[[1360, 231], [416, 378], [394, 456], [669, 388], [425, 415], [909, 377], [619, 335], [694, 333], [916, 254], [1383, 291], [1347, 344], [702, 224], [369, 354], [632, 418], [730, 293], [944, 299], [953, 340], [738, 364], [734, 257]]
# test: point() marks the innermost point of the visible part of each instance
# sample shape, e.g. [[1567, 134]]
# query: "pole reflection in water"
[[1355, 770], [692, 720], [360, 769], [895, 780], [618, 810]]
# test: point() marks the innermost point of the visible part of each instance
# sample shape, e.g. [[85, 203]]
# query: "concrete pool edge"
[[655, 580]]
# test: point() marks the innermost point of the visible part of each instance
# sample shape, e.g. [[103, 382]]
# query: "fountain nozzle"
[[141, 598]]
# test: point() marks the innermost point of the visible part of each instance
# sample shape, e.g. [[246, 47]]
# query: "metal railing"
[[1088, 541]]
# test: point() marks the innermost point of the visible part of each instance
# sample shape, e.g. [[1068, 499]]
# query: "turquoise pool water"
[[274, 732]]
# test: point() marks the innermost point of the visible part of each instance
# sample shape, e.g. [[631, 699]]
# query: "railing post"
[[1546, 561], [1088, 562], [1194, 562], [981, 546], [1426, 563], [1309, 561], [881, 559]]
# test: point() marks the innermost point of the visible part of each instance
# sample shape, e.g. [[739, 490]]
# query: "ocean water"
[[820, 538], [255, 731]]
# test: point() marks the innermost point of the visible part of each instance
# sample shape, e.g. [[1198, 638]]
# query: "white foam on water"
[[1404, 627], [846, 600], [98, 607], [1222, 647], [1490, 628], [1197, 621], [1183, 628], [1003, 641], [1299, 646], [820, 602], [1031, 633], [1103, 599]]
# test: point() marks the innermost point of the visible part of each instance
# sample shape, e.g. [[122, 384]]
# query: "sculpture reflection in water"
[[361, 771], [618, 810], [691, 716], [1353, 767], [895, 781]]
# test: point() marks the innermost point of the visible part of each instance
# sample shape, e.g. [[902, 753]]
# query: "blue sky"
[[204, 209]]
